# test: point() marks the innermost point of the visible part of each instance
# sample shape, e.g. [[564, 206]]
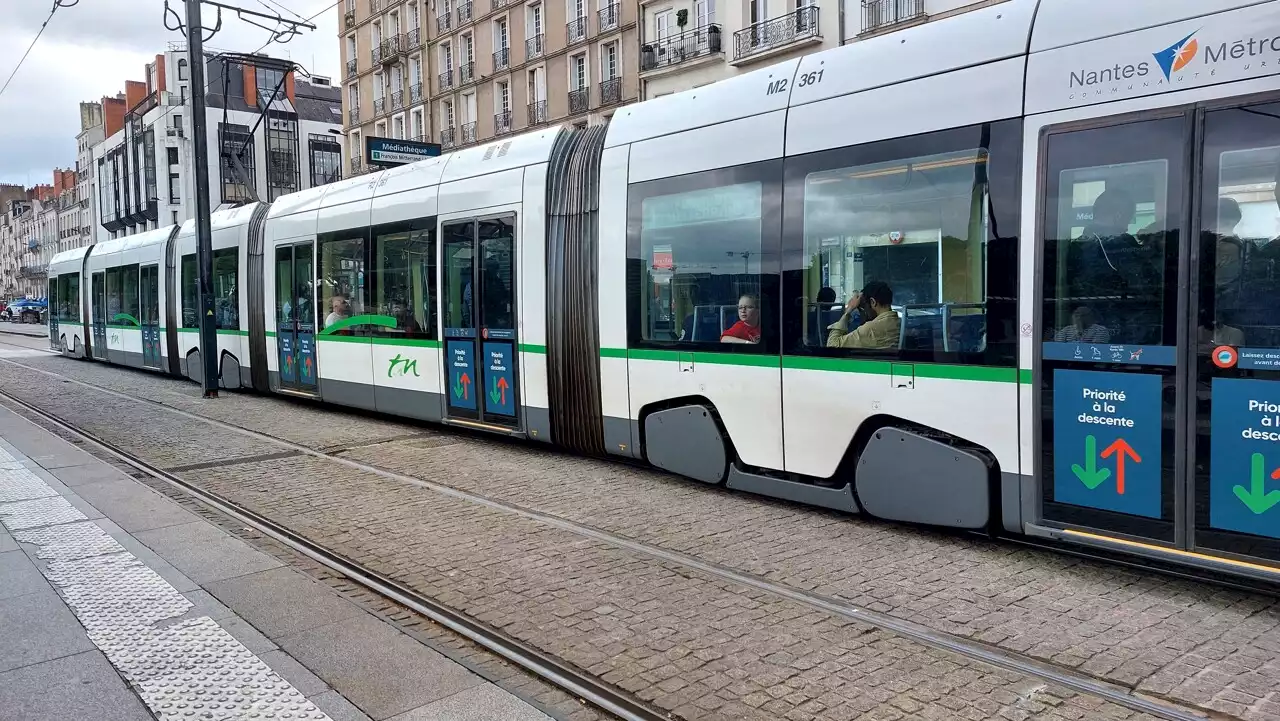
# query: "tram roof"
[[220, 220], [132, 242], [68, 256]]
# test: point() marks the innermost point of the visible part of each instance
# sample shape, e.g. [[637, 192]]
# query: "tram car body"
[[574, 286]]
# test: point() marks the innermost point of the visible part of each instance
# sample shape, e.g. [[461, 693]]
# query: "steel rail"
[[550, 669], [1010, 661]]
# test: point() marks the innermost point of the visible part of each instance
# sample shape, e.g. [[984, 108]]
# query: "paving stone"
[[545, 585], [82, 686]]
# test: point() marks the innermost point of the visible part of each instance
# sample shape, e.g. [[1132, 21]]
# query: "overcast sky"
[[89, 50]]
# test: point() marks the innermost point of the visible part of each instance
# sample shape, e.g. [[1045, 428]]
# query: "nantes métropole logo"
[[1178, 55]]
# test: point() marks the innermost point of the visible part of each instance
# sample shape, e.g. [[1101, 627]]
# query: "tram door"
[[1161, 406], [54, 306], [98, 286], [479, 297], [296, 317], [149, 290]]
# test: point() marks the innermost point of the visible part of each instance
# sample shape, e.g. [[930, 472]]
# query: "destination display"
[[1106, 441], [1244, 465], [389, 152]]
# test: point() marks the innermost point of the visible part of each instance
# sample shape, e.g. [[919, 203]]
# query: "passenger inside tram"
[[881, 326], [747, 329], [340, 309]]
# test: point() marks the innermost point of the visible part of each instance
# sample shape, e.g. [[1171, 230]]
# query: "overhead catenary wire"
[[57, 4]]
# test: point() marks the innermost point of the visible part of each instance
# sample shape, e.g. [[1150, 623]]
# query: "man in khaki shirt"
[[880, 325]]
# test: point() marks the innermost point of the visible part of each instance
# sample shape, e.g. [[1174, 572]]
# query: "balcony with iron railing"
[[469, 132], [379, 106], [464, 13], [413, 39], [351, 68], [537, 112], [796, 28], [397, 100], [356, 166], [579, 100], [611, 91], [533, 47], [376, 54], [349, 19], [502, 123], [391, 49], [448, 138], [880, 14], [608, 17], [575, 31], [466, 73], [353, 116], [375, 6], [501, 58], [701, 42], [415, 93], [497, 4], [445, 79], [444, 22]]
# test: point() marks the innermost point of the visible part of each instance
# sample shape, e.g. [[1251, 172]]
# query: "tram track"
[[546, 667]]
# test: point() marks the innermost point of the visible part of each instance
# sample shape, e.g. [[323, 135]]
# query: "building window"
[[282, 158], [415, 125], [149, 167], [326, 159], [397, 127], [182, 69], [662, 24], [268, 80], [578, 71], [609, 61], [236, 142], [175, 188]]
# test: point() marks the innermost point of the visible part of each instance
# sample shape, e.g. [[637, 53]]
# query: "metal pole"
[[204, 233]]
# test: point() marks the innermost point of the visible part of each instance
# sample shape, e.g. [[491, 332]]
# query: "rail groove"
[[1082, 683], [552, 670]]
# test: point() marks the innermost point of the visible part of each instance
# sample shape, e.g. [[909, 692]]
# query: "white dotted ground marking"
[[182, 669]]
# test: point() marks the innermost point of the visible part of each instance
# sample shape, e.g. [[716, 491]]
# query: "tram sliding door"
[[1109, 371], [55, 308], [149, 290], [296, 318], [479, 296], [1236, 355], [1161, 420], [99, 318]]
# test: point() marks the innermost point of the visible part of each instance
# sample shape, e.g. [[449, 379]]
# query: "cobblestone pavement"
[[641, 623]]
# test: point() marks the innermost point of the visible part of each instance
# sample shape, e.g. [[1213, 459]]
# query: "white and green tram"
[[1072, 205]]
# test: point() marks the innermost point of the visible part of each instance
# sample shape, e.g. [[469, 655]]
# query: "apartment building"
[[685, 44], [458, 72], [268, 134]]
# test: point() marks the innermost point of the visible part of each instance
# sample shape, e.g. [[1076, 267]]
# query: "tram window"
[[114, 293], [226, 292], [404, 282], [1111, 236], [1240, 251], [497, 284], [68, 298], [914, 221], [129, 303], [190, 292], [702, 253], [458, 241], [341, 276]]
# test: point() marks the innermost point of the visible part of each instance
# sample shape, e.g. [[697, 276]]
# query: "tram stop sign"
[[1106, 441], [1244, 463]]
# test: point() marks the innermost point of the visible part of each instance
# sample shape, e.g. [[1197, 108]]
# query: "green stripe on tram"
[[131, 319], [533, 348], [984, 374], [385, 321]]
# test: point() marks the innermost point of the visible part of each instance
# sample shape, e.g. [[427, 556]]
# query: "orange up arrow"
[[1120, 448]]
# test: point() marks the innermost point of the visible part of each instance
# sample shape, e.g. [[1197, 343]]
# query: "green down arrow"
[[1256, 496], [1091, 476]]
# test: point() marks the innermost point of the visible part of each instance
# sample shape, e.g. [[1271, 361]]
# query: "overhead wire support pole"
[[283, 31]]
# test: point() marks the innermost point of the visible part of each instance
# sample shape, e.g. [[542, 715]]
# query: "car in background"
[[25, 311]]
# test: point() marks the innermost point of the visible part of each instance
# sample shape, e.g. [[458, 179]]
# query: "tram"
[[1015, 271]]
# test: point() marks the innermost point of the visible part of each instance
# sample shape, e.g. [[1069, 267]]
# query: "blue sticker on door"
[[1106, 441], [461, 374], [288, 362], [1244, 457], [499, 379]]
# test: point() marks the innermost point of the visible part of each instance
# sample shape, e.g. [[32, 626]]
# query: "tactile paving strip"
[[69, 542], [21, 484], [39, 512], [182, 669]]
